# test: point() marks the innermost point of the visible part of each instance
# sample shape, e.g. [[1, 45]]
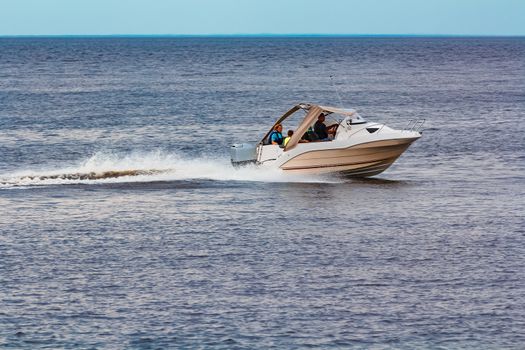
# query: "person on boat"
[[276, 136], [324, 133], [309, 136], [286, 139]]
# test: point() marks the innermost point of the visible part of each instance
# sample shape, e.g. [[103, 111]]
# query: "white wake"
[[106, 167]]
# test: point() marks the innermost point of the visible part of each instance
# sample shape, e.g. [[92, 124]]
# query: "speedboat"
[[356, 148]]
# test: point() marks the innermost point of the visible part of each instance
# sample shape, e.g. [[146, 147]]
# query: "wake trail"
[[107, 167]]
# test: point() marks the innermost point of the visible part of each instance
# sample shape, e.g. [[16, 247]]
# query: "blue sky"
[[150, 17]]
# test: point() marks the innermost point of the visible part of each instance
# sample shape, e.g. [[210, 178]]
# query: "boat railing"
[[259, 151], [414, 125], [382, 126]]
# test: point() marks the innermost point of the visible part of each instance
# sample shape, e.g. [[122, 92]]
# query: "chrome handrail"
[[419, 125], [414, 125]]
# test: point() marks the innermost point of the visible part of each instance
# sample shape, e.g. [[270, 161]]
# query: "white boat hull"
[[361, 160]]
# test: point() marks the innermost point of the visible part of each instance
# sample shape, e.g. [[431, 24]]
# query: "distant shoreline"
[[262, 35]]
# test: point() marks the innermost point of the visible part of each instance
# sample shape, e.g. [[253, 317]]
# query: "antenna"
[[336, 91]]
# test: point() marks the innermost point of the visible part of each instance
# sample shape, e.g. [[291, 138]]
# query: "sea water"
[[193, 253]]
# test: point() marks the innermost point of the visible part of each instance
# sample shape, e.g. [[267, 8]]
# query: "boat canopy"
[[343, 111], [312, 113]]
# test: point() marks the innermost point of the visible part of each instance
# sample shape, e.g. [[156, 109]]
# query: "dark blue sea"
[[193, 253]]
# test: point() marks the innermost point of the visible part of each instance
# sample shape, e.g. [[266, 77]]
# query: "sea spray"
[[136, 166]]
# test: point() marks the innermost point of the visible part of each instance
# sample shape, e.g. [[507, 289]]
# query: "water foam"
[[107, 167]]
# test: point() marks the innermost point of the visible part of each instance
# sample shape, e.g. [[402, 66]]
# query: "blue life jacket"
[[278, 137]]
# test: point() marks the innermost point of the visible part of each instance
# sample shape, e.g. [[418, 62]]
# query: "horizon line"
[[260, 35]]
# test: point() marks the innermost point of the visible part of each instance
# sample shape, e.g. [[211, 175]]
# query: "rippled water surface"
[[188, 252]]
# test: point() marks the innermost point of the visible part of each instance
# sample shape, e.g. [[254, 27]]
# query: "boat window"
[[332, 118]]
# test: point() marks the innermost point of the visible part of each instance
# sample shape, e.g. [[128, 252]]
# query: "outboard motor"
[[243, 153]]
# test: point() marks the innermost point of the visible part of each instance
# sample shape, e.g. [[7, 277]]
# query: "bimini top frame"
[[312, 113]]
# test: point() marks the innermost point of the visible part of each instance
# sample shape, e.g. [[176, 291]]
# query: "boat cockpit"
[[304, 131]]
